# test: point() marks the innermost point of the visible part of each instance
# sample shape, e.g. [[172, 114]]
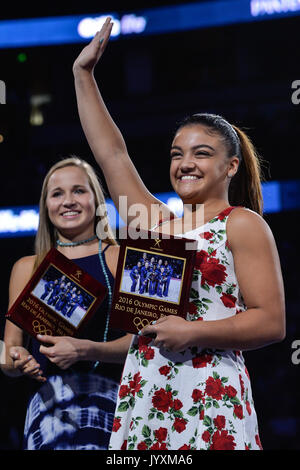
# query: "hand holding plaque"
[[153, 279], [58, 300]]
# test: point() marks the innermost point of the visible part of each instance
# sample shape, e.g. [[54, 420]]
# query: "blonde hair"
[[47, 234]]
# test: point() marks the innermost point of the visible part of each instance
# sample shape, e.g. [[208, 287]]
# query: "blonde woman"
[[76, 379]]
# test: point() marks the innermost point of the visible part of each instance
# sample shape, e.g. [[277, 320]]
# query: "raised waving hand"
[[91, 54], [106, 140]]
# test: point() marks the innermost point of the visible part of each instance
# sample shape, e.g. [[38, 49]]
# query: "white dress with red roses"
[[196, 399]]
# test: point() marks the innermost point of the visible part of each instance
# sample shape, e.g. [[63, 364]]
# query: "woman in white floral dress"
[[188, 388]]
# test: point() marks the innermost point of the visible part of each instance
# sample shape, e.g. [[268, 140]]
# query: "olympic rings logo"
[[141, 323], [40, 328]]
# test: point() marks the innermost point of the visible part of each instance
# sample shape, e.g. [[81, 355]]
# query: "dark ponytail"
[[245, 187]]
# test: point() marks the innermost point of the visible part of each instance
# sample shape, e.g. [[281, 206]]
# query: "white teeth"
[[70, 213], [188, 177]]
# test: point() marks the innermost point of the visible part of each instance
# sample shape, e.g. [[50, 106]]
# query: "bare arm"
[[65, 351], [105, 139], [18, 360], [259, 276]]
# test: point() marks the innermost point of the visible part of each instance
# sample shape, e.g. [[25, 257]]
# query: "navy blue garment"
[[74, 409]]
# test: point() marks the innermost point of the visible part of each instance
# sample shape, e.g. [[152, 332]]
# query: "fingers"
[[149, 330], [104, 34], [48, 352], [47, 339], [30, 367]]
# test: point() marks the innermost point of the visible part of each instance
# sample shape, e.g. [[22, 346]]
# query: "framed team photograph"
[[58, 300], [63, 295], [153, 279], [150, 274]]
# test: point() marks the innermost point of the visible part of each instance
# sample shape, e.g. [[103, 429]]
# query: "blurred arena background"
[[237, 58]]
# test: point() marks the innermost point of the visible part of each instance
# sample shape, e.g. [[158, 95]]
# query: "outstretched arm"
[[105, 139]]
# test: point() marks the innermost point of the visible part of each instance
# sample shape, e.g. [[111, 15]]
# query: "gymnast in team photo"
[[63, 295], [152, 276]]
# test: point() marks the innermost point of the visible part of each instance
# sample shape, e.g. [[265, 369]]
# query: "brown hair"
[[245, 186]]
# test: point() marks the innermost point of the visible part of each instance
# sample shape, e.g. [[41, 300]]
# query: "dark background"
[[243, 72]]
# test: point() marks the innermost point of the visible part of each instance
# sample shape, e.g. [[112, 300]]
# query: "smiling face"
[[70, 202], [200, 167]]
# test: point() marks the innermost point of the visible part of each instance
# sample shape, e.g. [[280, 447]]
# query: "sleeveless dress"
[[197, 399], [74, 409]]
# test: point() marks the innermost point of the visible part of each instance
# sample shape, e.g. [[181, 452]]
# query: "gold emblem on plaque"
[[40, 328], [157, 242], [141, 323]]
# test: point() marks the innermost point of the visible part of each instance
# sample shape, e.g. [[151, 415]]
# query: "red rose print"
[[197, 395], [162, 400], [161, 434], [149, 354], [201, 416], [201, 258], [116, 424], [224, 213], [242, 385], [238, 411], [213, 272], [228, 300], [184, 447], [158, 446], [164, 370], [179, 424], [193, 310], [206, 235], [124, 445], [144, 340], [221, 440], [214, 388], [248, 408], [219, 422], [134, 384], [177, 404], [201, 360], [155, 446], [206, 436], [230, 391], [142, 446], [257, 440], [124, 390]]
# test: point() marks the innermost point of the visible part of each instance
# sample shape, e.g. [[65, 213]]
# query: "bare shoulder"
[[21, 272], [112, 256], [247, 227], [113, 251], [24, 265]]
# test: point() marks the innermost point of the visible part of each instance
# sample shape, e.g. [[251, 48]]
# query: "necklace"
[[59, 243], [109, 296]]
